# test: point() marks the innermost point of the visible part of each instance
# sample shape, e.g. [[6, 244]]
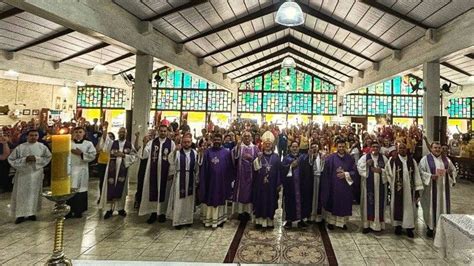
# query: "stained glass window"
[[300, 103], [387, 87], [219, 101], [168, 100], [316, 84], [397, 85], [420, 106], [362, 91], [285, 80], [324, 104], [113, 98], [267, 83], [163, 75], [194, 100], [258, 83], [371, 89], [355, 105], [308, 80], [274, 102], [459, 108], [293, 79], [379, 105], [212, 86], [248, 85], [187, 80], [275, 80], [88, 97], [250, 102], [153, 98], [405, 106]]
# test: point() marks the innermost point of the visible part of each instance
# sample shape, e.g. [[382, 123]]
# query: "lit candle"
[[60, 178]]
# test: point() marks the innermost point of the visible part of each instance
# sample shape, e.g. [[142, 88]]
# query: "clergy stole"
[[165, 166], [115, 187], [371, 191], [292, 189], [397, 167], [434, 185], [182, 173]]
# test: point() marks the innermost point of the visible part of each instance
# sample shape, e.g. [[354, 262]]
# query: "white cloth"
[[80, 165], [455, 232], [28, 180], [147, 206], [409, 204], [181, 210], [441, 200], [318, 166], [128, 161], [213, 216], [363, 170]]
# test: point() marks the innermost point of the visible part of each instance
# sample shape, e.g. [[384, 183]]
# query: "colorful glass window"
[[168, 99], [258, 83], [194, 100], [317, 84], [275, 80], [89, 97], [379, 105], [113, 98], [267, 83], [249, 102], [219, 101], [300, 103], [355, 105], [459, 108], [274, 102], [405, 106], [324, 104]]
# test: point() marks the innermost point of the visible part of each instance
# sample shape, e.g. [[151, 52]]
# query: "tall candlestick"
[[60, 174]]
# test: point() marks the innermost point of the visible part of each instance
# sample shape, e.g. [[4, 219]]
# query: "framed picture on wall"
[[26, 112], [36, 112]]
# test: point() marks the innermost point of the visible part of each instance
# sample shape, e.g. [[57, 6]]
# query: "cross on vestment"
[[399, 183], [155, 153], [215, 160]]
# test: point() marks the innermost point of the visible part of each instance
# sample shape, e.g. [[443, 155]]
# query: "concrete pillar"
[[142, 94], [431, 101], [340, 102], [234, 103]]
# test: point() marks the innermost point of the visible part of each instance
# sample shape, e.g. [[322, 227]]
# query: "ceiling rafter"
[[85, 51], [252, 38], [273, 62], [259, 74], [122, 57], [394, 13], [471, 55], [450, 81], [455, 68], [132, 68], [260, 13], [350, 28], [309, 72], [317, 62], [43, 39], [10, 13], [301, 63], [320, 37], [188, 5]]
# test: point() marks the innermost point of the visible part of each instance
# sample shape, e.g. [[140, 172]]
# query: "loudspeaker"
[[440, 129], [128, 124]]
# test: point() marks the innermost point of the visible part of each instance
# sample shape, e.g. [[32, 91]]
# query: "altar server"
[[28, 159]]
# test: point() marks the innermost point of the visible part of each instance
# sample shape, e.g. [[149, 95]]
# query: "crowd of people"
[[321, 171]]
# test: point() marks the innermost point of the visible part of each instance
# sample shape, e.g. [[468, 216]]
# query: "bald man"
[[115, 186]]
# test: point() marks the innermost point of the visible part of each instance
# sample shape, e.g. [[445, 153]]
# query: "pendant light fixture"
[[99, 68], [289, 14], [288, 62]]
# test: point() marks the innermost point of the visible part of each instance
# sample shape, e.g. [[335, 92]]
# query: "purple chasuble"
[[115, 186], [183, 171], [165, 150], [306, 185], [336, 193], [216, 176], [291, 189], [397, 167], [243, 181], [371, 191], [434, 185], [265, 185]]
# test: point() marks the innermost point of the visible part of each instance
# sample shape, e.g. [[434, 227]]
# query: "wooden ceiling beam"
[[188, 5]]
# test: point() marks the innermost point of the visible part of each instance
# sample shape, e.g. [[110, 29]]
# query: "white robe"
[[147, 206], [426, 199], [181, 210], [28, 180], [80, 165], [376, 224], [318, 165], [409, 205], [128, 160]]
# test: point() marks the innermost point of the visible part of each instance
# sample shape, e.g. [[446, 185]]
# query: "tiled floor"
[[131, 238]]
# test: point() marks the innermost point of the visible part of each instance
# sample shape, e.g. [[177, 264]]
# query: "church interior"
[[330, 132]]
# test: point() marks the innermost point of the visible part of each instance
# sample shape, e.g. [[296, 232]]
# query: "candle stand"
[[60, 210]]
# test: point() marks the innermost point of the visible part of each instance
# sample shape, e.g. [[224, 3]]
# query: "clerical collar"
[[294, 155], [341, 156], [79, 141], [268, 152], [162, 139], [435, 155]]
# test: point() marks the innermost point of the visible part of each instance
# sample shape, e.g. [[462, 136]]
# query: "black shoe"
[[330, 227], [410, 233], [78, 215], [221, 225], [136, 205], [32, 218], [19, 220], [122, 213], [108, 214], [288, 225], [302, 224], [178, 227], [188, 225], [152, 218], [161, 218], [430, 233], [98, 201], [258, 226], [241, 217], [398, 230], [68, 216], [344, 227], [246, 216], [365, 230]]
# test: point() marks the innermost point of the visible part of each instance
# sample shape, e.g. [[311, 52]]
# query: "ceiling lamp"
[[289, 14], [288, 62], [80, 83], [11, 73], [100, 69]]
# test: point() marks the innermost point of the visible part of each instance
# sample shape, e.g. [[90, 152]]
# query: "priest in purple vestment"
[[266, 183], [243, 155], [291, 180], [336, 192], [215, 183]]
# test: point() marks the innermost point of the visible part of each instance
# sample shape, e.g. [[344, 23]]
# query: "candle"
[[60, 178]]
